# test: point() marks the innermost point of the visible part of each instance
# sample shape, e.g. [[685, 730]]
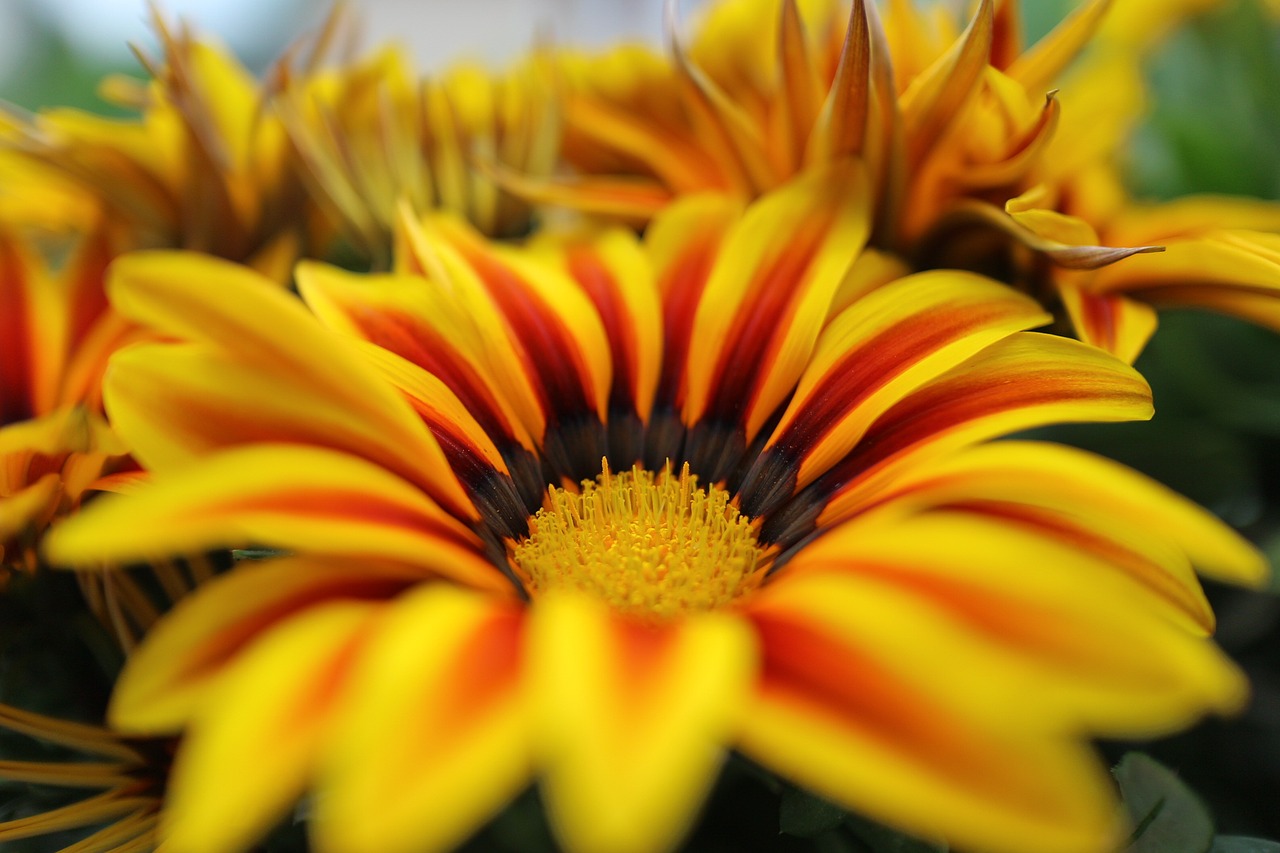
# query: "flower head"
[[987, 154], [795, 517]]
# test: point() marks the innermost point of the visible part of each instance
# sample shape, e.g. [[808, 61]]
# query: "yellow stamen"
[[652, 546]]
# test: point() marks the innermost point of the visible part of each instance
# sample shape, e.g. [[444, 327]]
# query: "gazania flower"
[[980, 162], [56, 332], [372, 134], [125, 779], [795, 520], [205, 166]]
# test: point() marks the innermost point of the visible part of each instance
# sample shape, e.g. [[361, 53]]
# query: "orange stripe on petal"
[[1111, 322], [837, 723], [284, 496], [768, 293], [875, 353], [419, 321], [270, 336], [168, 678], [683, 243], [614, 273], [277, 699], [1023, 381], [1103, 654], [436, 754], [632, 719]]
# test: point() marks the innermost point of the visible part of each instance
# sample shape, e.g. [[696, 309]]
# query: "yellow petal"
[[436, 754], [270, 710], [1023, 381], [1037, 69], [632, 719]]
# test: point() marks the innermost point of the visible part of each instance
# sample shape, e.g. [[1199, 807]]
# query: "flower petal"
[[277, 699], [170, 676], [435, 754], [632, 719], [767, 297], [859, 735], [1089, 649], [266, 340], [304, 499], [1109, 321], [870, 357], [1026, 380]]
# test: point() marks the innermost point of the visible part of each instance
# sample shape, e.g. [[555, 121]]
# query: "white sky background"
[[435, 31]]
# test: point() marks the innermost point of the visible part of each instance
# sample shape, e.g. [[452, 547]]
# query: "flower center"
[[652, 546]]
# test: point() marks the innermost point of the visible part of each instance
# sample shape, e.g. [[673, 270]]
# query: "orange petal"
[[436, 754], [632, 719], [934, 98], [1038, 68], [420, 322], [1093, 649]]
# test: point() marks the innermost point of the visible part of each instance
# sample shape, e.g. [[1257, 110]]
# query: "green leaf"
[[806, 815], [1240, 844], [1167, 817]]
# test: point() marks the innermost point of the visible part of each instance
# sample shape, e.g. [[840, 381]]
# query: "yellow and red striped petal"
[[279, 699], [1026, 380], [1109, 321], [422, 323], [869, 743], [437, 738], [248, 331], [294, 497], [858, 734], [171, 675], [768, 293], [1090, 648], [1078, 497], [632, 719], [874, 354], [614, 272], [683, 244]]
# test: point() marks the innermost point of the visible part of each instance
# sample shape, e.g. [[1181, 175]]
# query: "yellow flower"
[[979, 162], [56, 332], [798, 518], [371, 134], [204, 167]]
